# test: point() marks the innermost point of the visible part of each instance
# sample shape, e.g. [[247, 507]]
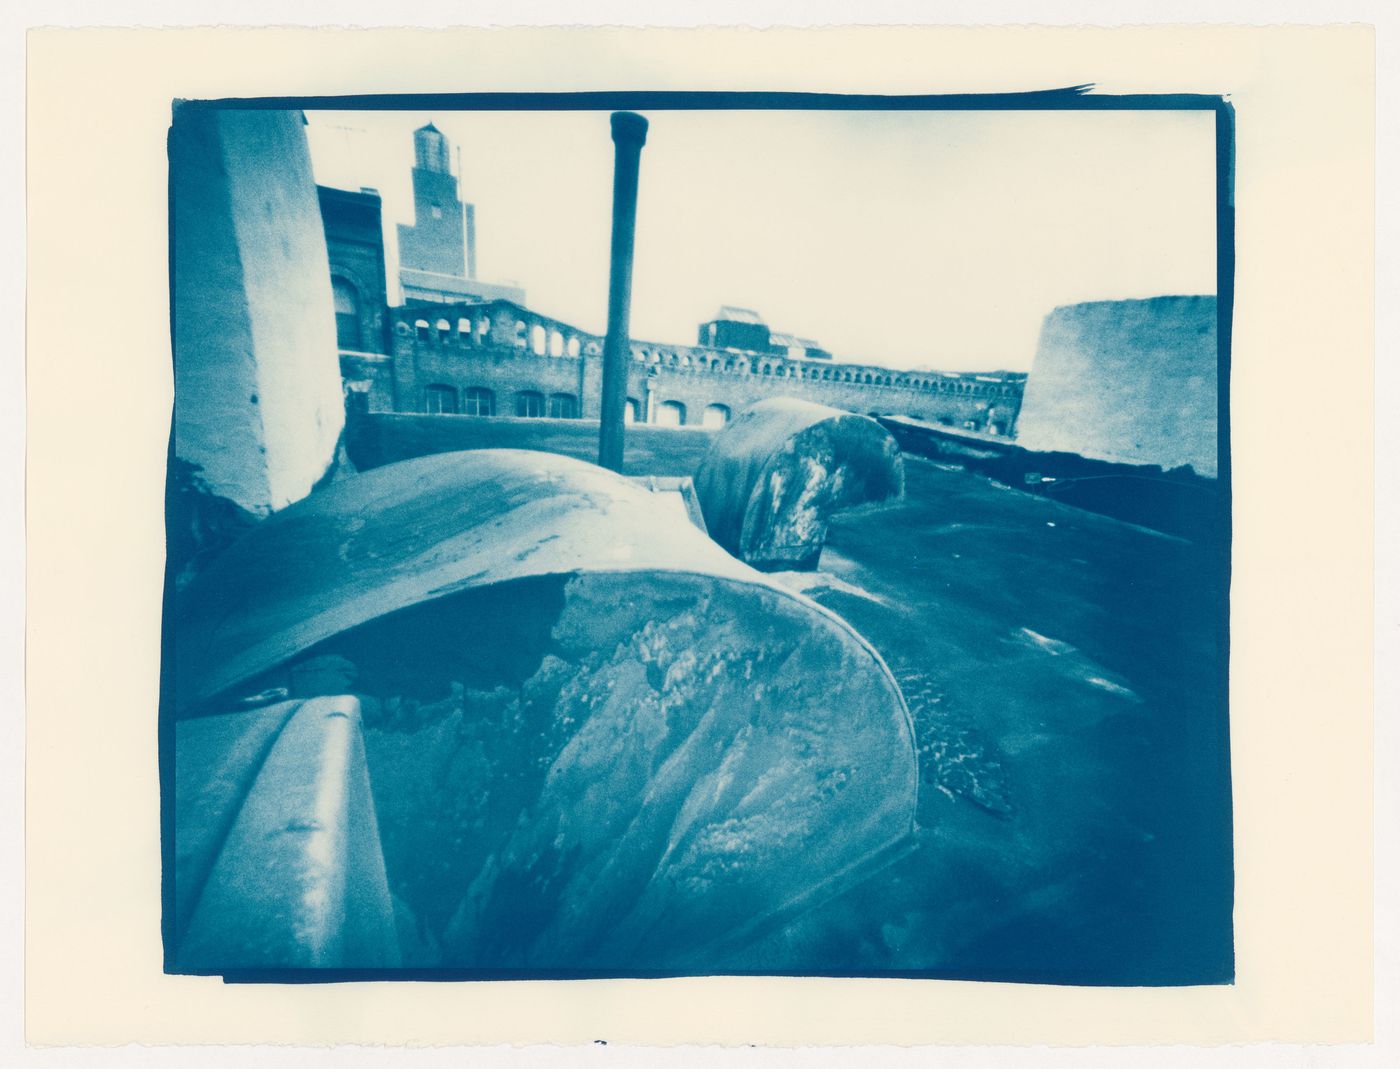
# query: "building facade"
[[437, 253], [744, 329], [498, 358], [458, 346], [439, 239], [353, 223]]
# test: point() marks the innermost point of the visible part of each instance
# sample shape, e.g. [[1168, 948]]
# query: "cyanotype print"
[[671, 534]]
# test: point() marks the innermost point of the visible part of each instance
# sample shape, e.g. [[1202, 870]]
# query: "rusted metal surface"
[[773, 477], [596, 742], [278, 859]]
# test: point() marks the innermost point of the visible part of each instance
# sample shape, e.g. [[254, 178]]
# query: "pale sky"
[[908, 239]]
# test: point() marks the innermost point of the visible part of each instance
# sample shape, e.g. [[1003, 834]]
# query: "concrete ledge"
[[279, 856], [374, 439], [1177, 501]]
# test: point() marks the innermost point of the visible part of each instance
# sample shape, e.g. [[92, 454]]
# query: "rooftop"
[[734, 314], [1064, 672]]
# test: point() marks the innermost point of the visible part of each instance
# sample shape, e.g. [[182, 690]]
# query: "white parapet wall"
[[258, 402], [1131, 381]]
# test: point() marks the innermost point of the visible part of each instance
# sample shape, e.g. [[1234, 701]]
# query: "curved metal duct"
[[595, 742], [773, 477]]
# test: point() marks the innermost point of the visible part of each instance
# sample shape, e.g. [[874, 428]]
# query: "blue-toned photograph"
[[669, 534]]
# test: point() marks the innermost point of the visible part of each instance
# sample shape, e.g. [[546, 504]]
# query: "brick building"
[[744, 329], [355, 244], [437, 253], [458, 346], [498, 358]]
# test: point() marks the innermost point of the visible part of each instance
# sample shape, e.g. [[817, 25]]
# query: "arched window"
[[556, 343], [483, 328], [347, 314], [537, 340], [444, 328], [529, 404], [563, 406], [573, 347], [464, 330], [479, 401], [633, 412], [421, 328], [520, 339], [768, 369], [670, 414], [715, 416], [440, 400]]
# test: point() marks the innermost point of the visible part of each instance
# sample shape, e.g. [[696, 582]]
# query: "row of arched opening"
[[542, 341], [440, 399], [700, 362], [536, 338], [674, 414]]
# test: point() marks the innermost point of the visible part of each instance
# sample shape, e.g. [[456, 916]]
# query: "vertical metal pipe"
[[629, 134]]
